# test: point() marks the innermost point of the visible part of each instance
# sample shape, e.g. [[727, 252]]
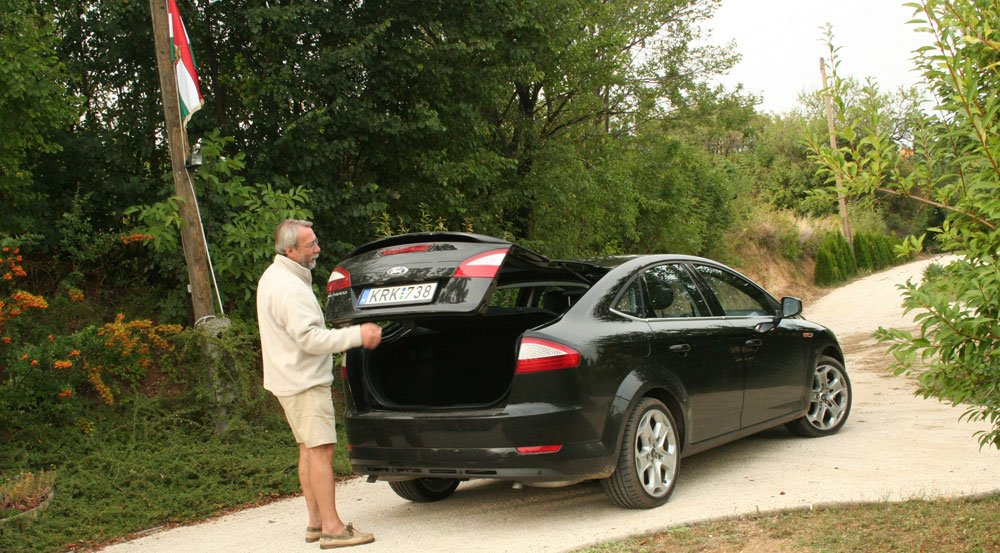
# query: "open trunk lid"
[[428, 274]]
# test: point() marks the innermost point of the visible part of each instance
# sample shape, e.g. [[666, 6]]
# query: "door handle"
[[754, 342], [680, 348]]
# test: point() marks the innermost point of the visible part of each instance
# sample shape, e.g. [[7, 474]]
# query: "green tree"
[[777, 165], [34, 105], [239, 222], [390, 108], [955, 167]]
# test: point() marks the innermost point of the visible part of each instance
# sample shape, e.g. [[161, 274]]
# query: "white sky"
[[781, 42]]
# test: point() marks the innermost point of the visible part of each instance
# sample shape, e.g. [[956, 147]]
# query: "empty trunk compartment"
[[449, 362]]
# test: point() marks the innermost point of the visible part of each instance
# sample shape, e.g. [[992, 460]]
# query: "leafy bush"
[[834, 260], [58, 378], [219, 368], [874, 251], [951, 166], [239, 219], [145, 464]]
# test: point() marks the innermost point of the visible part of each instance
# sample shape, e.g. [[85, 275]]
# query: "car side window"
[[737, 296], [631, 301], [672, 293]]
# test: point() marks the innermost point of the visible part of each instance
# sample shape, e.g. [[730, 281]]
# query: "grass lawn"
[[964, 525], [143, 468]]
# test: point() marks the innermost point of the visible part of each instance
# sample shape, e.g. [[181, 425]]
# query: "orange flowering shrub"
[[17, 304], [95, 379], [128, 350], [10, 264], [14, 303], [135, 237], [59, 378], [62, 375], [75, 295]]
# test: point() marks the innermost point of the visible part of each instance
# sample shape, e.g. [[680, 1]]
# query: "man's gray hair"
[[287, 234]]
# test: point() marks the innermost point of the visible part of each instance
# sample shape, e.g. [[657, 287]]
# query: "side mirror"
[[790, 307]]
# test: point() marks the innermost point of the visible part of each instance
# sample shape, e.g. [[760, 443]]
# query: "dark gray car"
[[497, 362]]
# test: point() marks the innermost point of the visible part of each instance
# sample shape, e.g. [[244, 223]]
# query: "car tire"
[[829, 400], [649, 460], [424, 490]]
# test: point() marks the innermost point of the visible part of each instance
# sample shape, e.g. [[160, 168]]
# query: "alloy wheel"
[[829, 398], [655, 453]]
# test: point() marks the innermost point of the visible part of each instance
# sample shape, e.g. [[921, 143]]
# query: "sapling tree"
[[953, 164]]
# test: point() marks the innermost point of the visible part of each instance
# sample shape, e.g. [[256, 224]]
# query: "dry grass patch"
[[942, 526]]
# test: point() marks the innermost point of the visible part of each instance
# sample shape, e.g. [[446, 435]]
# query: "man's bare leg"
[[321, 494], [315, 521]]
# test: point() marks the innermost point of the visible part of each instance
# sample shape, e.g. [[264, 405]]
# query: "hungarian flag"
[[188, 91]]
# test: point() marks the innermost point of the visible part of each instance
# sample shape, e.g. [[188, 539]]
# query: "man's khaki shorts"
[[310, 414]]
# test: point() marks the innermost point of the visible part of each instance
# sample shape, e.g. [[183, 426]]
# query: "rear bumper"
[[480, 444], [571, 463]]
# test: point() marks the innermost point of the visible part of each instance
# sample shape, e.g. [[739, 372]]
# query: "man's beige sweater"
[[295, 342]]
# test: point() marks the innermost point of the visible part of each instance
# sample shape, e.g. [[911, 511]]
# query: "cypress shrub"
[[826, 267], [864, 253], [828, 270], [885, 251], [874, 251], [845, 256]]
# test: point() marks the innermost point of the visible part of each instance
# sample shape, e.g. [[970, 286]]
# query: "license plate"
[[394, 295]]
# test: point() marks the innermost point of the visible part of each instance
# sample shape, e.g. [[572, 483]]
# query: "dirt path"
[[894, 447]]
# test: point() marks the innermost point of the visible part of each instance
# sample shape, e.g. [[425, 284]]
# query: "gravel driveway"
[[894, 447]]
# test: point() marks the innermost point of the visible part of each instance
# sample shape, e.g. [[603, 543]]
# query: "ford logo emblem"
[[397, 271]]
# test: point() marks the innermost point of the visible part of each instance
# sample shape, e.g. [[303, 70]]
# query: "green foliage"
[[837, 260], [385, 227], [875, 251], [227, 382], [827, 270], [952, 165], [148, 465], [239, 220], [775, 231], [33, 102], [834, 260], [777, 165], [574, 185], [438, 110], [684, 197]]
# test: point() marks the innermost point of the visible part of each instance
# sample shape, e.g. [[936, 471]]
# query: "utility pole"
[[195, 250], [841, 199]]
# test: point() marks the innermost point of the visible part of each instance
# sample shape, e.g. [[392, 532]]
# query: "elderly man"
[[297, 349]]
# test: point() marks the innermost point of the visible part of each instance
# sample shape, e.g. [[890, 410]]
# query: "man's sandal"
[[347, 537]]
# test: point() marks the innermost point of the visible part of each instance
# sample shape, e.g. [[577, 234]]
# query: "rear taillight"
[[484, 265], [537, 355], [405, 249], [340, 279]]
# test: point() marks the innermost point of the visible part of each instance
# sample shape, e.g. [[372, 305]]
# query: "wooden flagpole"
[[195, 252]]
